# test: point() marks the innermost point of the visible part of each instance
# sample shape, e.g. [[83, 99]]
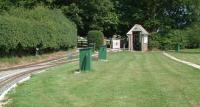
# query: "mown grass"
[[191, 55], [127, 80]]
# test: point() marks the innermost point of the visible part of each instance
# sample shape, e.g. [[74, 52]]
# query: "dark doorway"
[[136, 41]]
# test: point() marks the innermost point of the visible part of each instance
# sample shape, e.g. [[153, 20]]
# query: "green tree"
[[164, 17], [95, 37], [99, 15], [73, 12]]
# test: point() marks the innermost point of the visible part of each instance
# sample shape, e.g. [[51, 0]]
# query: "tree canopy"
[[118, 16]]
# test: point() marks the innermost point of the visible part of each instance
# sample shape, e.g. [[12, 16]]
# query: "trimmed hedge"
[[96, 37], [25, 30]]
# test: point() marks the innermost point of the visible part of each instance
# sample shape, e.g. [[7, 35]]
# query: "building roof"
[[136, 28]]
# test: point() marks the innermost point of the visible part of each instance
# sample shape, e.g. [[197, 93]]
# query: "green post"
[[85, 59], [177, 47], [92, 45], [103, 53]]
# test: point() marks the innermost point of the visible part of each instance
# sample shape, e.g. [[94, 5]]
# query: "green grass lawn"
[[191, 55], [127, 80]]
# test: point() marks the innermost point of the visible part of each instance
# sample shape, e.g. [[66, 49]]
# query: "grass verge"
[[191, 55]]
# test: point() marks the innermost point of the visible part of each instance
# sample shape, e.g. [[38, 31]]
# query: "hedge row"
[[187, 38], [95, 36], [40, 28]]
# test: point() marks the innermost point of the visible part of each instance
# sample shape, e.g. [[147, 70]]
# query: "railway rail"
[[38, 63], [11, 76]]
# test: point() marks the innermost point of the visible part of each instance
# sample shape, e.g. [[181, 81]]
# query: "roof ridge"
[[138, 26]]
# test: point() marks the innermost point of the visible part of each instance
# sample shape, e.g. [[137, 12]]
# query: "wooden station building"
[[138, 38]]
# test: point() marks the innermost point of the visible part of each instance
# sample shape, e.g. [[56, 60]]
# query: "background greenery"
[[22, 31], [169, 21], [95, 37]]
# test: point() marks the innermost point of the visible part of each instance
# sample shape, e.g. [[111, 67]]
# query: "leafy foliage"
[[169, 21], [73, 12], [25, 30], [193, 36], [96, 37]]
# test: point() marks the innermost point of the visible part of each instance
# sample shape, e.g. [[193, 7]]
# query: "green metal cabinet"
[[103, 53], [177, 47], [92, 45], [85, 59]]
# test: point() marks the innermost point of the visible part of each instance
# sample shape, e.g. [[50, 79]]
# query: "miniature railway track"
[[37, 63], [11, 76], [8, 81]]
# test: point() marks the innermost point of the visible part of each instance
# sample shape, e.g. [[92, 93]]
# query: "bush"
[[169, 40], [193, 36], [154, 41], [25, 30], [96, 37]]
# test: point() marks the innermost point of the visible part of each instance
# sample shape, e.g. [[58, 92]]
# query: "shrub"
[[154, 41], [96, 37], [193, 36], [169, 40], [42, 28]]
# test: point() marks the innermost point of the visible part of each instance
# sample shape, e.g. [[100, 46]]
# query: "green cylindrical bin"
[[85, 59], [103, 53], [177, 47], [92, 45]]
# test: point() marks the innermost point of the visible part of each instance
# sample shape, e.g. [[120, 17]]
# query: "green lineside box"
[[177, 47], [85, 59], [103, 53], [92, 45]]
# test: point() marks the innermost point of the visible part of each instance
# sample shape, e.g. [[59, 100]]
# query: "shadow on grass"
[[75, 71], [79, 71]]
